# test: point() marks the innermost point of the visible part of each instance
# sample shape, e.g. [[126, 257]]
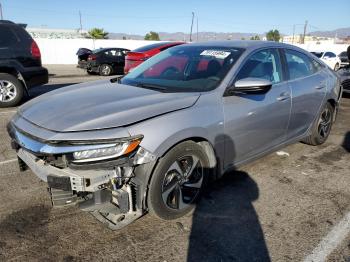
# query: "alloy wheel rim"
[[325, 123], [8, 91], [182, 182], [106, 70]]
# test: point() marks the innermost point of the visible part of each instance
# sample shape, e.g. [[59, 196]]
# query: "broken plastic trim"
[[143, 156]]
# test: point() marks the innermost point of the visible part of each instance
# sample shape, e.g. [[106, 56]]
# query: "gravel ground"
[[278, 208]]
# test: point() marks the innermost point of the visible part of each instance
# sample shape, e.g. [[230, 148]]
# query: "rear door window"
[[299, 64], [8, 37], [113, 53]]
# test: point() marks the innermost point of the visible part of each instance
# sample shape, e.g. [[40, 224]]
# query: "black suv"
[[106, 61], [20, 64]]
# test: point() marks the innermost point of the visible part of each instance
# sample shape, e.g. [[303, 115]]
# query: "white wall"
[[336, 48], [63, 51]]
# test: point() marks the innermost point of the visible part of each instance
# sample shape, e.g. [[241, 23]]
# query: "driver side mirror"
[[250, 86]]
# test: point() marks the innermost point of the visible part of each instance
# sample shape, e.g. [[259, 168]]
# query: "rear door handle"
[[283, 96], [320, 86]]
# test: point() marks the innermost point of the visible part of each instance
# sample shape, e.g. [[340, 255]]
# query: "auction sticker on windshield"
[[216, 53]]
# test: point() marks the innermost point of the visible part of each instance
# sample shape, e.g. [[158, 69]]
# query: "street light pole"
[[191, 27], [1, 16], [197, 28], [81, 24]]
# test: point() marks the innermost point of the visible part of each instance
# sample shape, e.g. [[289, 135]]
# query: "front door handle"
[[283, 96]]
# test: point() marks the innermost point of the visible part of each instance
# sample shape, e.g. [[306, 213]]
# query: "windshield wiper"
[[151, 86]]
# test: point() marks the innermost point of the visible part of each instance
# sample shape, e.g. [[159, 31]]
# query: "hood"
[[100, 105]]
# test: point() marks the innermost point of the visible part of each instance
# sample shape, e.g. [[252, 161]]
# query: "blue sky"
[[140, 16]]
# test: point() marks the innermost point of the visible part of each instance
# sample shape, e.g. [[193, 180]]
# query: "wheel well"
[[205, 144], [12, 71], [9, 70], [334, 105], [332, 102], [207, 147]]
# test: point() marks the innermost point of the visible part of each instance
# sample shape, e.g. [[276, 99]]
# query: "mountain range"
[[206, 36]]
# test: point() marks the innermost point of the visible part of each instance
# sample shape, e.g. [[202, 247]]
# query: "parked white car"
[[330, 58]]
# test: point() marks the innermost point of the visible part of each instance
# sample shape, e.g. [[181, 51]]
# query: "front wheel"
[[11, 90], [336, 67], [177, 181], [321, 127]]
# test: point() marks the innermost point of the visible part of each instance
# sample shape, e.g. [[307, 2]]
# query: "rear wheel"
[[321, 127], [11, 90], [105, 70], [178, 180]]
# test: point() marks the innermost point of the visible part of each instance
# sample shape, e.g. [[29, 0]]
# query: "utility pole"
[[293, 34], [1, 16], [191, 27], [81, 24], [197, 29], [305, 26]]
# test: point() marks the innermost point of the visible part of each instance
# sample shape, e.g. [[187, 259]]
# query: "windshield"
[[318, 54], [185, 68]]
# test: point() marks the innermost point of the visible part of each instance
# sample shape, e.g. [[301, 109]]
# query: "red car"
[[139, 55]]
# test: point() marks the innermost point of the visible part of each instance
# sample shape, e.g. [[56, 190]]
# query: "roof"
[[108, 48], [6, 22], [246, 44]]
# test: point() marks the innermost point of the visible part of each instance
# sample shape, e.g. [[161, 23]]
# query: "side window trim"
[[285, 71]]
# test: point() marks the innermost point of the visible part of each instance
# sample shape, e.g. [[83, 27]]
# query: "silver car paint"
[[101, 105], [237, 127]]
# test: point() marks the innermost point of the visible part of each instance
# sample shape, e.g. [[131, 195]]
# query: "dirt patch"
[[332, 156]]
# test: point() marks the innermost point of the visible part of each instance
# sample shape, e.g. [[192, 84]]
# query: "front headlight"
[[119, 149]]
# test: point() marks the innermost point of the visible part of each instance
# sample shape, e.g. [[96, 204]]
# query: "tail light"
[[136, 56], [91, 57], [35, 51]]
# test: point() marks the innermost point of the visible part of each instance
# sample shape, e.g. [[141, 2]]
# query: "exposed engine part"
[[113, 217], [121, 199], [22, 165], [62, 198]]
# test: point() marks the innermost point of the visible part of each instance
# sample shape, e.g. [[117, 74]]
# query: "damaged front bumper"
[[114, 191]]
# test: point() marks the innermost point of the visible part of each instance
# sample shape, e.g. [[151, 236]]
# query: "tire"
[[336, 67], [161, 199], [105, 70], [11, 90], [321, 128]]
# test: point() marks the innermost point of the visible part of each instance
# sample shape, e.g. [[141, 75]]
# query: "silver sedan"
[[151, 140]]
